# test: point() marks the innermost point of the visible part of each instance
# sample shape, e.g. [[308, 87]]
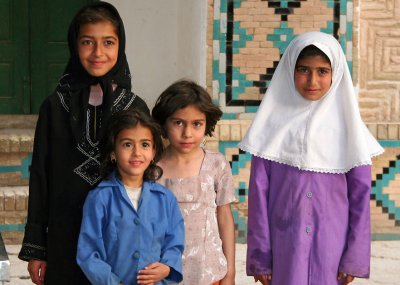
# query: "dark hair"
[[312, 50], [181, 94], [128, 119], [94, 13]]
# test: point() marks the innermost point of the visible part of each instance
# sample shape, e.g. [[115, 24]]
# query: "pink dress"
[[198, 196]]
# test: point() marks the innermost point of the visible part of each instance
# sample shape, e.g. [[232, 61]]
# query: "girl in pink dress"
[[202, 182]]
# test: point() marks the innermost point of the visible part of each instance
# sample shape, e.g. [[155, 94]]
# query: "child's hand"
[[264, 279], [153, 273], [345, 278], [37, 271]]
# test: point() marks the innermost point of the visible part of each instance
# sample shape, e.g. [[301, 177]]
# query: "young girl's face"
[[134, 151], [186, 128], [98, 47], [313, 77]]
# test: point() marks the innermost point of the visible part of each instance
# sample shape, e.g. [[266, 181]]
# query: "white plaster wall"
[[166, 41]]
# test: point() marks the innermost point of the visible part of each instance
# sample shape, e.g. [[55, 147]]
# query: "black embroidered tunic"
[[65, 161]]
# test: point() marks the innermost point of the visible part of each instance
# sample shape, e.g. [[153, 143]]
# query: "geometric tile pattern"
[[249, 38], [240, 165], [23, 167], [385, 199], [379, 61], [385, 193]]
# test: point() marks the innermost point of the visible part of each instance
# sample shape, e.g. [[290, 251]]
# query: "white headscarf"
[[327, 135]]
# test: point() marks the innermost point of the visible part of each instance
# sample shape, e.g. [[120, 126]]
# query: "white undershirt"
[[96, 95], [134, 195]]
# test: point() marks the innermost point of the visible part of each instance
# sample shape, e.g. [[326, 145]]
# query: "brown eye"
[[302, 69]]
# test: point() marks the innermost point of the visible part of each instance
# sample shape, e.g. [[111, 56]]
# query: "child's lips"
[[97, 63], [135, 162], [186, 144], [312, 91]]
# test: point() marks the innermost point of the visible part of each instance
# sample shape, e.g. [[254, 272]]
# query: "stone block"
[[20, 201], [393, 132], [224, 132], [12, 237], [382, 132], [9, 201], [235, 132], [212, 145]]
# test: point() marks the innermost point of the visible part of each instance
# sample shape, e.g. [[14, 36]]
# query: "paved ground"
[[385, 265]]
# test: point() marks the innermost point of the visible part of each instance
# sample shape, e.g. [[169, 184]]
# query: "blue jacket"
[[116, 240]]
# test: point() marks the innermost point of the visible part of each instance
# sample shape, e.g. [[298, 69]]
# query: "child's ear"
[[112, 156]]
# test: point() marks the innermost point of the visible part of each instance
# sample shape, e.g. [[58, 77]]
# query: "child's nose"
[[98, 49], [135, 151], [312, 77], [187, 132]]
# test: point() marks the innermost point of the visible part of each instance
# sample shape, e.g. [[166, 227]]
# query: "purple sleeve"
[[356, 257], [259, 252]]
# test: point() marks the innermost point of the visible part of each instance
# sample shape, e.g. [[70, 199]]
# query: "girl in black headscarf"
[[65, 163]]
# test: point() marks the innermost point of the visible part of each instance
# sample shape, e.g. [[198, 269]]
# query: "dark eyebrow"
[[179, 119], [91, 37]]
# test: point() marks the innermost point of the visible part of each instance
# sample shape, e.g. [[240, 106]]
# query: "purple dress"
[[304, 227]]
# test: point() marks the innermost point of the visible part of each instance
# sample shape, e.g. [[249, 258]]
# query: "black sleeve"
[[34, 243], [139, 104]]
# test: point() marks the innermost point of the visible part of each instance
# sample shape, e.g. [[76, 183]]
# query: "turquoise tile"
[[224, 6], [25, 164], [251, 109], [11, 168], [228, 116], [216, 32], [273, 38], [387, 143]]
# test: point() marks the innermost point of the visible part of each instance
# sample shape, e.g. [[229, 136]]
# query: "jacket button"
[[136, 254], [136, 221]]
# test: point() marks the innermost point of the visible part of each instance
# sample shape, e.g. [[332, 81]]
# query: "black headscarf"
[[119, 73], [74, 86]]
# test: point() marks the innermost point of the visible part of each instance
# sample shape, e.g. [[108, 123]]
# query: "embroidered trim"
[[130, 102], [89, 140], [89, 171], [313, 169], [31, 251], [61, 96], [116, 102], [34, 246]]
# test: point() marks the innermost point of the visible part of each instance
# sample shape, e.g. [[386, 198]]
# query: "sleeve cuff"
[[31, 251], [174, 276]]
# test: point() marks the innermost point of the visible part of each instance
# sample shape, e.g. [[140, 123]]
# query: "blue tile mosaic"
[[232, 37]]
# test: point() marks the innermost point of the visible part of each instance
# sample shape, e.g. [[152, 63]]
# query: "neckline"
[[205, 152]]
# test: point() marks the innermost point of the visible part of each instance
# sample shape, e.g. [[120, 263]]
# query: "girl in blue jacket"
[[132, 230]]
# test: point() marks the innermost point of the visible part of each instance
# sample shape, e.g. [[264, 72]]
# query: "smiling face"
[[98, 47], [134, 151], [312, 77], [186, 129]]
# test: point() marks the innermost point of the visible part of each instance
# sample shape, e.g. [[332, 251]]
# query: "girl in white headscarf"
[[310, 177]]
